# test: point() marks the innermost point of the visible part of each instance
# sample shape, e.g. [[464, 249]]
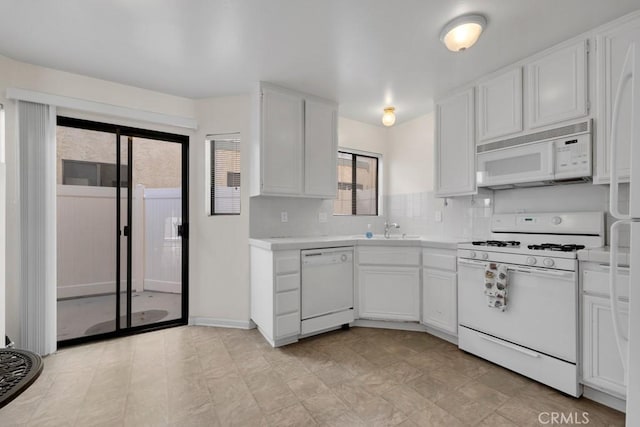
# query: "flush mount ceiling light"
[[389, 116], [462, 33]]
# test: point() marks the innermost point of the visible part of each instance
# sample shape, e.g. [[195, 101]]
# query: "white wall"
[[219, 250], [410, 159]]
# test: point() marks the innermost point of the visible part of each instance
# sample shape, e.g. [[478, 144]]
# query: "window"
[[357, 184], [93, 174], [224, 179]]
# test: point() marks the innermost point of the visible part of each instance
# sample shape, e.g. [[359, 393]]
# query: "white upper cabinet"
[[282, 142], [612, 46], [320, 148], [295, 153], [455, 145], [557, 86], [500, 105]]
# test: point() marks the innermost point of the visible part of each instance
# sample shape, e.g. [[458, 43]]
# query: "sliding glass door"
[[122, 230]]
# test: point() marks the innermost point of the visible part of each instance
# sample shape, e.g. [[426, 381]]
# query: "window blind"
[[225, 177]]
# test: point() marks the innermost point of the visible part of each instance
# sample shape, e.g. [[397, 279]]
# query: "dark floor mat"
[[138, 318], [18, 370]]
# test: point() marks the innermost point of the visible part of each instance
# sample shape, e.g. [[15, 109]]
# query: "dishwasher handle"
[[327, 257]]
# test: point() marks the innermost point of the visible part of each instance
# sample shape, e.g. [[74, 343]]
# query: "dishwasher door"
[[327, 281]]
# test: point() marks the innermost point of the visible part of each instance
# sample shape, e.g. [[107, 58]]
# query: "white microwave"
[[521, 162]]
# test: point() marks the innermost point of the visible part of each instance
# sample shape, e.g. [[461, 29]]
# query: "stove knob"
[[472, 254], [556, 220], [531, 260], [484, 255], [548, 262]]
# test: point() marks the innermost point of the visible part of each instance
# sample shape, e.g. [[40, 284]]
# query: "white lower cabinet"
[[601, 363], [602, 366], [439, 300], [275, 294], [440, 290], [389, 293]]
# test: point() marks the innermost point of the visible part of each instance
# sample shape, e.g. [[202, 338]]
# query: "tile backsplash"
[[303, 218], [463, 218]]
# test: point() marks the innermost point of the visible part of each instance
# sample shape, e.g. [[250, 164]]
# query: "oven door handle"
[[541, 272], [472, 263], [510, 346]]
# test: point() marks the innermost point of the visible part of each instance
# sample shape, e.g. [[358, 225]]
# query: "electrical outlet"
[[322, 217], [438, 216], [284, 217]]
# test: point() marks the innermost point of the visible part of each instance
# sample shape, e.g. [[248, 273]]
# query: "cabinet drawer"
[[389, 256], [545, 369], [287, 302], [288, 262], [287, 325], [441, 260], [287, 282], [597, 282]]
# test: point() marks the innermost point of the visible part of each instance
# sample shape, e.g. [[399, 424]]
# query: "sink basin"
[[392, 237]]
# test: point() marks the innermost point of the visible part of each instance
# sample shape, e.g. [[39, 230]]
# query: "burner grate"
[[556, 247], [497, 243]]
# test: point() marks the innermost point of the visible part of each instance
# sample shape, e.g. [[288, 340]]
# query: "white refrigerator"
[[627, 218]]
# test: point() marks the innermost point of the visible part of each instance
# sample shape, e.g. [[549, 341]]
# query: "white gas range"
[[533, 328]]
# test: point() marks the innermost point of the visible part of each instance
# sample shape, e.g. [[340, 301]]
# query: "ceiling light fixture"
[[389, 116], [462, 32]]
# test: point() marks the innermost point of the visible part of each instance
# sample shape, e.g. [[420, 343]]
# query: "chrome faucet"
[[387, 228]]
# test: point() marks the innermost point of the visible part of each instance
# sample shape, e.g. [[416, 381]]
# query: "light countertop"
[[318, 242], [601, 255]]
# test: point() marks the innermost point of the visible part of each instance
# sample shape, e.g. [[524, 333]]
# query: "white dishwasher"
[[327, 289]]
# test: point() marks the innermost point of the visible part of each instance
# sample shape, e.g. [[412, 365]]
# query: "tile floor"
[[200, 376], [77, 315]]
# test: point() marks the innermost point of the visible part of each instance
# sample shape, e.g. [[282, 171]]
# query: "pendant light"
[[389, 116], [462, 32]]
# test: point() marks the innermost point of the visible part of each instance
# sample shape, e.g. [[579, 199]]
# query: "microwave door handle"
[[621, 341], [625, 78]]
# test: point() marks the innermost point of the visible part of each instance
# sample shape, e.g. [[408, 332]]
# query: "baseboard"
[[220, 323], [453, 339], [86, 290], [385, 324], [605, 399], [162, 286], [405, 326]]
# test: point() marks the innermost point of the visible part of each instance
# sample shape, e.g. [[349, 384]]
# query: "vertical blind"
[[37, 145], [225, 176]]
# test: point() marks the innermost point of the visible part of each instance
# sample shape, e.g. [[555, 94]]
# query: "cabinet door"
[[320, 149], [557, 86], [601, 364], [612, 47], [500, 105], [455, 171], [281, 143], [439, 300], [389, 293]]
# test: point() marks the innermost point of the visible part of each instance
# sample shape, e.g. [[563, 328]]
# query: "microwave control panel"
[[573, 156]]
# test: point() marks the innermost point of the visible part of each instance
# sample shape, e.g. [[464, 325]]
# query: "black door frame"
[[131, 133]]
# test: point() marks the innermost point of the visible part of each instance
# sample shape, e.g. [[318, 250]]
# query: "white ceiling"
[[363, 53]]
